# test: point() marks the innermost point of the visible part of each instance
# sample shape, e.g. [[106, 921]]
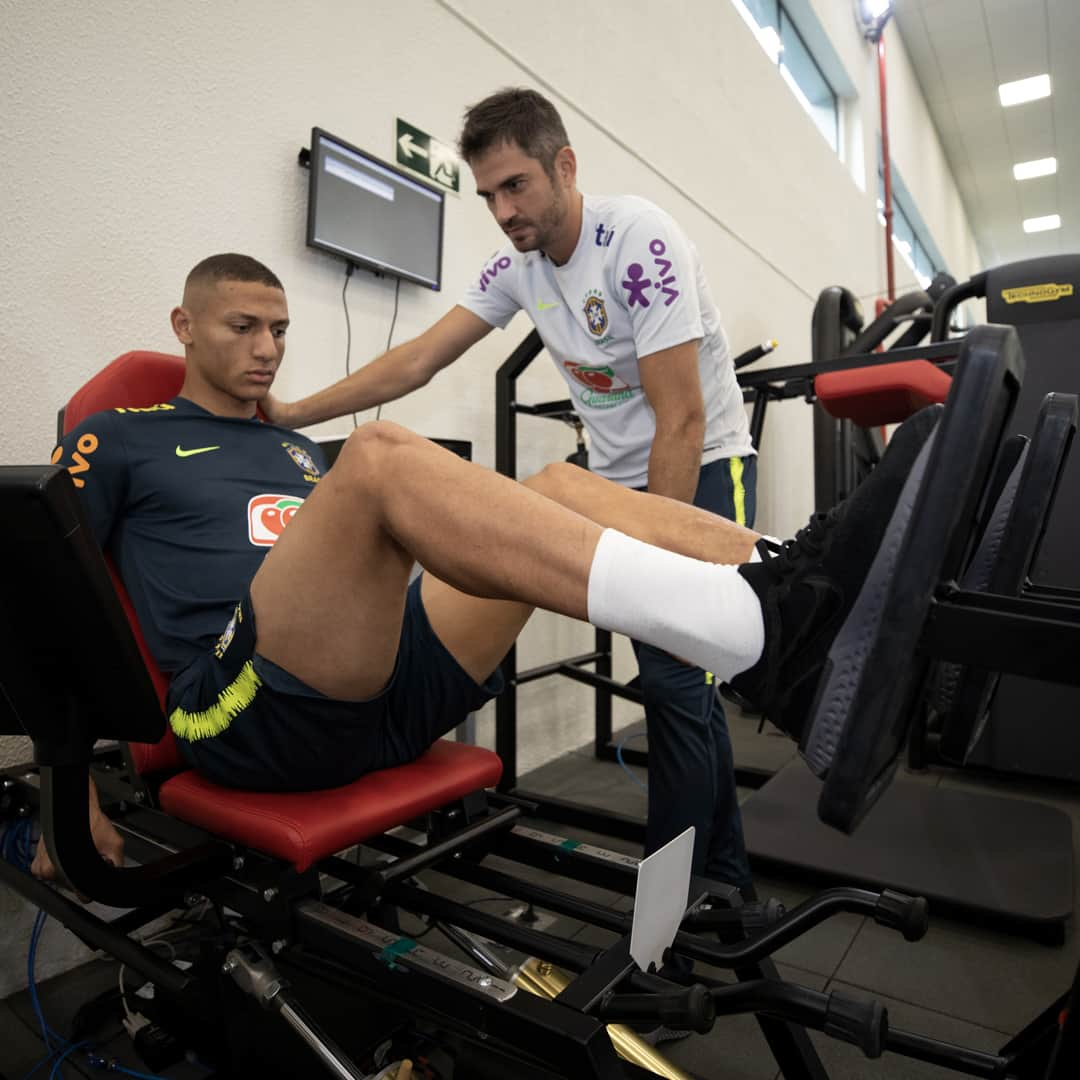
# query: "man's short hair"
[[232, 267], [514, 115]]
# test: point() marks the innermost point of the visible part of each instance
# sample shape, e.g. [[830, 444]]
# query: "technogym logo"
[[1036, 294]]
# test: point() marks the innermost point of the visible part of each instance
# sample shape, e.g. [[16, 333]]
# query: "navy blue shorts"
[[244, 722]]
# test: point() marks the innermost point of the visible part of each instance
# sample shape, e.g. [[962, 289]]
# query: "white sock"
[[699, 611]]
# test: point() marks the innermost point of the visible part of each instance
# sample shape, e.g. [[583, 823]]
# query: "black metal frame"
[[760, 387], [929, 746], [507, 408], [558, 1038], [276, 903]]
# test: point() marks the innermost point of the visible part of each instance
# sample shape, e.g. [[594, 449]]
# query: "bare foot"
[[109, 843]]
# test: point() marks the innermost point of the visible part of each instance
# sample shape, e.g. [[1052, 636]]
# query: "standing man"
[[619, 297]]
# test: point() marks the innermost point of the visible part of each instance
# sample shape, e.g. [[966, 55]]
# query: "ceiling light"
[[1042, 224], [872, 15], [1016, 93], [1028, 170], [874, 9]]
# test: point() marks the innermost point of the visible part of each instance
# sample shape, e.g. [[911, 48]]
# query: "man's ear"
[[566, 166], [181, 324]]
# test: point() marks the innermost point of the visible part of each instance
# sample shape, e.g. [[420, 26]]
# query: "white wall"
[[139, 138]]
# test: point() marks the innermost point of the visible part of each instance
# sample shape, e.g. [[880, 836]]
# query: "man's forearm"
[[675, 461], [390, 376]]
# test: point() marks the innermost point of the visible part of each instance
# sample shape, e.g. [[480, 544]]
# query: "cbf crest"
[[595, 313], [303, 461]]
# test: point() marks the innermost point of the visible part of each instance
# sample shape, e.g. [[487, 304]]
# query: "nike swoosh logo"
[[542, 306], [180, 452]]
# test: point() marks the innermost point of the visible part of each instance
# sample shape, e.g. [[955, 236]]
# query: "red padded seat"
[[301, 827], [305, 826], [134, 380], [883, 394]]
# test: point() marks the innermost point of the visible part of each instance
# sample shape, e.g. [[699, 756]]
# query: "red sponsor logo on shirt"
[[268, 515]]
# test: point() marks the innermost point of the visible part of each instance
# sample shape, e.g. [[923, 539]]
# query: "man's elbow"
[[684, 426], [418, 369]]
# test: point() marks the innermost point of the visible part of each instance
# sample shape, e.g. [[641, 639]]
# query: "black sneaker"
[[807, 590]]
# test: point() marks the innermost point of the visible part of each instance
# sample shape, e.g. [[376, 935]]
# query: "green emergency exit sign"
[[424, 154]]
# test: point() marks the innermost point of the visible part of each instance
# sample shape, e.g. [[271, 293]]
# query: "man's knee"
[[365, 456], [556, 480]]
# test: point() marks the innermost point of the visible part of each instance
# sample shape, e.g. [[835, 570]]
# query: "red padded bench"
[[885, 394]]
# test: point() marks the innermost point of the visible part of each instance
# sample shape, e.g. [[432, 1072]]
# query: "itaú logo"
[[268, 515]]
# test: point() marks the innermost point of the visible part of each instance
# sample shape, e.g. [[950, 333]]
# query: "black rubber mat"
[[982, 856]]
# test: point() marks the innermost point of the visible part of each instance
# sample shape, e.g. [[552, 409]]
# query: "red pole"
[[886, 170]]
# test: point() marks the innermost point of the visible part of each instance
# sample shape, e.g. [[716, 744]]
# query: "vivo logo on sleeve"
[[491, 272]]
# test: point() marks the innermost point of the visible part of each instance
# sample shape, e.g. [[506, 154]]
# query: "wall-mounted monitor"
[[331, 446], [373, 215]]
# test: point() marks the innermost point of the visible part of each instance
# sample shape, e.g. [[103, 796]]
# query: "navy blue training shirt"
[[188, 504]]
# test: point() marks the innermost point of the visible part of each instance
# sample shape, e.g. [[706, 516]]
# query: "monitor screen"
[[372, 214]]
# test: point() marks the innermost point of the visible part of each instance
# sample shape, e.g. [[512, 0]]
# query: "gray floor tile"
[[801, 977], [846, 1062], [736, 1045], [583, 779], [985, 978], [1064, 797], [820, 949], [735, 1049], [1054, 793], [768, 749]]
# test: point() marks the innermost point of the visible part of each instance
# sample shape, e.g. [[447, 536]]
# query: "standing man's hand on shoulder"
[[277, 411]]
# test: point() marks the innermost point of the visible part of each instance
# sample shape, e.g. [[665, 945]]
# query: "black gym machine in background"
[[1033, 730], [995, 874], [836, 310]]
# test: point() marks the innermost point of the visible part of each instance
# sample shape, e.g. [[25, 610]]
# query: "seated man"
[[302, 658]]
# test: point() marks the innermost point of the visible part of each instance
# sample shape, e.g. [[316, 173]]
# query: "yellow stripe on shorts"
[[738, 492], [231, 702]]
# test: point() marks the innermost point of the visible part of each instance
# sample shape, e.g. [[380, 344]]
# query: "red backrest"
[[134, 380]]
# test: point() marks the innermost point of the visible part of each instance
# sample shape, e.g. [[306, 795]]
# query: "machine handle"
[[863, 1023], [691, 1009], [908, 914], [756, 352]]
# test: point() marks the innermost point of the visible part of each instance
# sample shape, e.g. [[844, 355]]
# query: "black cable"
[[390, 336], [468, 903], [348, 325]]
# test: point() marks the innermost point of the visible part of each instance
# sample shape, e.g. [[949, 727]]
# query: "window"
[[786, 47], [909, 236]]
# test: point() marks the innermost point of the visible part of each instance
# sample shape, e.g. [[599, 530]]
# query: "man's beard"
[[547, 225]]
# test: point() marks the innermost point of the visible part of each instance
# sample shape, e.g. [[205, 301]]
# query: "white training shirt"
[[633, 286]]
